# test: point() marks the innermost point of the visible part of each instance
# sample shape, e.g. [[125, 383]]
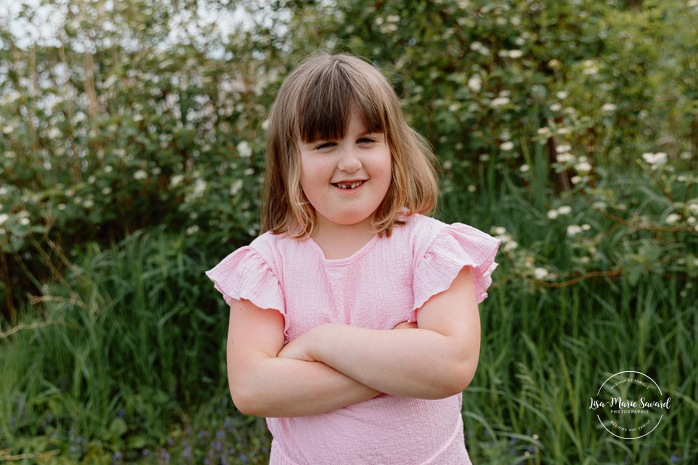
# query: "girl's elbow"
[[245, 401], [460, 378], [250, 405]]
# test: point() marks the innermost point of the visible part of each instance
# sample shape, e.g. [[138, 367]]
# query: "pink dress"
[[381, 285]]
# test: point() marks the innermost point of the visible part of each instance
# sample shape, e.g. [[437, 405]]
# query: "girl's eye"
[[366, 140], [324, 145]]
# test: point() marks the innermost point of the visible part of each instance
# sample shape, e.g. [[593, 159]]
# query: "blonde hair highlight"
[[315, 102]]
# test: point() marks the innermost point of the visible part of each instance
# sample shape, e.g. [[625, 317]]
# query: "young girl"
[[354, 325]]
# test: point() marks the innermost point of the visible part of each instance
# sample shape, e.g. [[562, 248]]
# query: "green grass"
[[541, 363]]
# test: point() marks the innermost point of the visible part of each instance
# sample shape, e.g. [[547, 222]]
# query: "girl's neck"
[[342, 241]]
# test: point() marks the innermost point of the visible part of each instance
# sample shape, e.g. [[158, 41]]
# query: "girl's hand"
[[407, 325], [297, 349]]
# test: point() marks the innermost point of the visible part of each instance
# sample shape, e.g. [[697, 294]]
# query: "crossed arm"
[[333, 366]]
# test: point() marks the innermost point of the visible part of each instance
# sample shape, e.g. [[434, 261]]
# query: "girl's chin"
[[348, 220]]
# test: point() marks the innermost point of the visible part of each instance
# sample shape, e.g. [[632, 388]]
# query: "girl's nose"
[[349, 162]]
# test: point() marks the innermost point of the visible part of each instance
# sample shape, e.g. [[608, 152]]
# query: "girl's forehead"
[[355, 125], [327, 100], [329, 124]]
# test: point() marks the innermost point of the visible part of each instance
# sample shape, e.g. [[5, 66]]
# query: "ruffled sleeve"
[[455, 247], [244, 274]]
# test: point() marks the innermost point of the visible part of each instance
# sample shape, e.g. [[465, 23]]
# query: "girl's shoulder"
[[269, 241], [441, 250], [419, 229]]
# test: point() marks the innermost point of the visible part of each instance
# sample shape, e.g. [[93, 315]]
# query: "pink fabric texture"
[[383, 284]]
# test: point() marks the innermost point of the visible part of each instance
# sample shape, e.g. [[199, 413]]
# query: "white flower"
[[693, 207], [659, 158], [565, 157], [672, 218], [562, 95], [24, 221], [89, 203], [562, 148], [564, 210], [499, 230], [235, 187], [590, 68], [555, 107], [540, 273], [515, 54], [192, 230], [576, 179], [544, 131], [500, 101], [507, 146], [509, 246], [484, 157], [478, 47], [3, 218], [199, 188], [552, 214], [472, 188], [176, 179], [583, 167], [475, 84], [608, 108], [573, 230], [244, 149], [139, 175], [524, 168]]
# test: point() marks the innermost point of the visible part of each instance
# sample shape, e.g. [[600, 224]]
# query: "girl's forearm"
[[412, 363], [284, 387]]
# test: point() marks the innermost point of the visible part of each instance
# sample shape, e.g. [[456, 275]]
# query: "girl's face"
[[346, 179]]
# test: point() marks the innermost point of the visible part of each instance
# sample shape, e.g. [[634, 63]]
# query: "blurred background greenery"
[[131, 153]]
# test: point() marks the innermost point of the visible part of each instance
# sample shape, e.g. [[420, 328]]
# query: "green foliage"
[[567, 129], [123, 342]]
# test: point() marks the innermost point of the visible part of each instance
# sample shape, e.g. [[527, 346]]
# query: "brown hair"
[[315, 102]]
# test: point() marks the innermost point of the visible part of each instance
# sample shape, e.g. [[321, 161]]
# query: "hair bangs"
[[324, 113]]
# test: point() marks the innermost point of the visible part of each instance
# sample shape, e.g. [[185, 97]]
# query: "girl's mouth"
[[348, 185]]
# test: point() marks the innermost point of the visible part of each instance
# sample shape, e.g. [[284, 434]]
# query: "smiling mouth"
[[348, 185]]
